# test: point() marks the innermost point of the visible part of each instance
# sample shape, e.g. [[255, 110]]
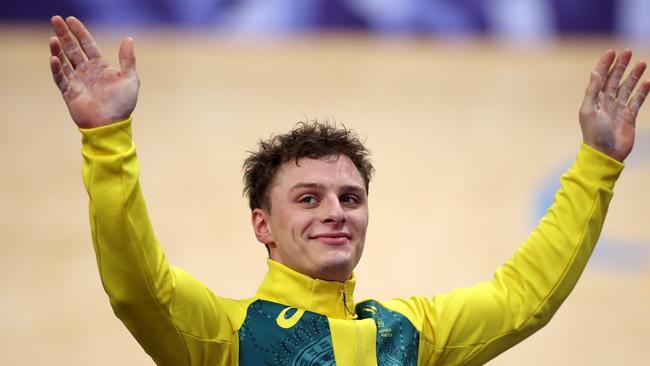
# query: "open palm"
[[96, 93], [609, 110]]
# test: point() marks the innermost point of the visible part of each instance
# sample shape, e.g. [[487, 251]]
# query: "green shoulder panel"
[[274, 334], [397, 339]]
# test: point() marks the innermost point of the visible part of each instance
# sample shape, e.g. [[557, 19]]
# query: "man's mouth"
[[332, 238]]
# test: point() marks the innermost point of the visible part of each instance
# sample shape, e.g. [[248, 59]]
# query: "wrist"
[[608, 148], [89, 122]]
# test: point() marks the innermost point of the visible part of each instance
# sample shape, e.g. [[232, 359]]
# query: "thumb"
[[127, 57], [593, 89]]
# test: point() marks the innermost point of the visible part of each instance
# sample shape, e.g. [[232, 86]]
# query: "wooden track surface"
[[464, 135]]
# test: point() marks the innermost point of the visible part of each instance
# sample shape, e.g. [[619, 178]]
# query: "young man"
[[308, 193]]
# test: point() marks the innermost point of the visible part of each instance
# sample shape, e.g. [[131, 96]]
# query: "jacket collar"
[[285, 286]]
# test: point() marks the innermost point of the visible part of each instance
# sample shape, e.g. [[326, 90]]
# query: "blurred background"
[[509, 19], [469, 108]]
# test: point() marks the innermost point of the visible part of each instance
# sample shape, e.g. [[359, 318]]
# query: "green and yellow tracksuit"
[[297, 320]]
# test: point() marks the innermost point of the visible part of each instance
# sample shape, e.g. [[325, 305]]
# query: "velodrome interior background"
[[468, 136]]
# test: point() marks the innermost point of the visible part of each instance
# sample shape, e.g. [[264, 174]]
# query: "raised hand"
[[609, 110], [96, 93]]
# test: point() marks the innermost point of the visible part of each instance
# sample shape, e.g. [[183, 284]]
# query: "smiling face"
[[318, 217]]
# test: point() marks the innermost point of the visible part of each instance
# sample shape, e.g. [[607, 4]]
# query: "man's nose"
[[333, 210]]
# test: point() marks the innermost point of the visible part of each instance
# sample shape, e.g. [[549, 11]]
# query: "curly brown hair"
[[312, 139]]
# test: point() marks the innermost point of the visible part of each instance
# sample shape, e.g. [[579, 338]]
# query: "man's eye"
[[351, 200], [308, 200]]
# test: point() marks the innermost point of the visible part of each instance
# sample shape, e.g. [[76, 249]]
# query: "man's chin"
[[337, 266]]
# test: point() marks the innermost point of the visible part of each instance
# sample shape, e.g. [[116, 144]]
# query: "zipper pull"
[[345, 306]]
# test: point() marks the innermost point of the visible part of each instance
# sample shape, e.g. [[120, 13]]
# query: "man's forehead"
[[326, 169], [325, 163]]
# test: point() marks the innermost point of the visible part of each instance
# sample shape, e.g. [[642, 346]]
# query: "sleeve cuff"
[[107, 140], [597, 167]]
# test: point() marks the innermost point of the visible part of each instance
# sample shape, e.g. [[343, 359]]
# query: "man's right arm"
[[164, 308], [175, 318], [133, 269]]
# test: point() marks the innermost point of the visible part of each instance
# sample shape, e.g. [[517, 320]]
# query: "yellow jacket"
[[297, 320]]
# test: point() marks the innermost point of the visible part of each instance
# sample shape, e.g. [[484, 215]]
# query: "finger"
[[58, 75], [605, 63], [639, 97], [591, 94], [631, 81], [127, 57], [72, 51], [57, 51], [86, 40], [615, 75]]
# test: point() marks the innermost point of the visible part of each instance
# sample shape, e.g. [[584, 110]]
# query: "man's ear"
[[262, 226]]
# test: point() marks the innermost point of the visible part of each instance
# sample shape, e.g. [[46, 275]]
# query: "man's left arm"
[[471, 326]]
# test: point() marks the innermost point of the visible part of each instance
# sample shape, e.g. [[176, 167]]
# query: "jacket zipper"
[[357, 331], [346, 310]]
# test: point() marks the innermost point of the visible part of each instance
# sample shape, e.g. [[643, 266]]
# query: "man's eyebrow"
[[306, 185], [345, 188], [355, 189]]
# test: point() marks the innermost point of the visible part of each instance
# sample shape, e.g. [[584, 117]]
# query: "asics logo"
[[286, 323]]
